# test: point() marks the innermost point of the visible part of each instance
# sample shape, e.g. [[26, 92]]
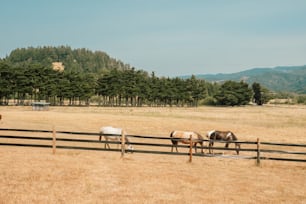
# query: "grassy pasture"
[[35, 175]]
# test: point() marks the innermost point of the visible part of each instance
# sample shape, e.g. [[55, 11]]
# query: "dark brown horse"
[[227, 136], [184, 137]]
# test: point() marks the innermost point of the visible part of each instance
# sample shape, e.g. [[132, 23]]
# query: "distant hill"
[[80, 60], [287, 78]]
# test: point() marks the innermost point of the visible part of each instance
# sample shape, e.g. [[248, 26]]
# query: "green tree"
[[261, 94], [233, 93], [7, 82], [257, 93]]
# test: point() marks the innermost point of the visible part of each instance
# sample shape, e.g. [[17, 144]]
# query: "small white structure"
[[40, 106]]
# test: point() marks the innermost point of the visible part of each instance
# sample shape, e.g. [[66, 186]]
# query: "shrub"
[[209, 101]]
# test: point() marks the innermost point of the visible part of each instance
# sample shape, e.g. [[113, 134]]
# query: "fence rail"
[[258, 149]]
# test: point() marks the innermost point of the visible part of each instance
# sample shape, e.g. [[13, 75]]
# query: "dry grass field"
[[35, 175]]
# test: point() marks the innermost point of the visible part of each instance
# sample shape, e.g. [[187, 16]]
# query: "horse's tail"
[[172, 139], [237, 145], [171, 134], [100, 135]]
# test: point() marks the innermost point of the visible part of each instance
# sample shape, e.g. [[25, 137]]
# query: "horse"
[[111, 133], [184, 137], [227, 136]]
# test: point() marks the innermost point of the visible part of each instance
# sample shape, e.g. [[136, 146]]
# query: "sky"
[[169, 37]]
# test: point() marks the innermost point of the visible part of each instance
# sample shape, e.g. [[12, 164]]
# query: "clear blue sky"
[[170, 37]]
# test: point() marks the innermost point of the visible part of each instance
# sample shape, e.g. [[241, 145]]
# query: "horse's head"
[[130, 147], [231, 136]]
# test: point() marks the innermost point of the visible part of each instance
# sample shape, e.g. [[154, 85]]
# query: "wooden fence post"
[[190, 149], [258, 152], [122, 143], [53, 140]]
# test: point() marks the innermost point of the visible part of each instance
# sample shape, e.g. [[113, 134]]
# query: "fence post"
[[190, 149], [258, 152], [53, 139], [122, 143]]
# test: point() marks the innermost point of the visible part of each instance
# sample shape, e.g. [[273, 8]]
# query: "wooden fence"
[[89, 141]]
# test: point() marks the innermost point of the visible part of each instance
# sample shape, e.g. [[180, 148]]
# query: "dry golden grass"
[[35, 175]]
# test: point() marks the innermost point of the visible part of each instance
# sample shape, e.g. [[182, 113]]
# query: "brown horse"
[[113, 134], [184, 137], [227, 136]]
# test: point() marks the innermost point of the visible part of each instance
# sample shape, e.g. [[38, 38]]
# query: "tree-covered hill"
[[78, 60], [285, 79]]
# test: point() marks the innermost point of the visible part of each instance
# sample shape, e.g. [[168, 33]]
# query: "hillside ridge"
[[281, 78]]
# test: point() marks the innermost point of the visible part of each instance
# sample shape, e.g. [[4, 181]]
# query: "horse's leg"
[[106, 144], [174, 144], [195, 147], [211, 144], [119, 140], [227, 145], [176, 147], [237, 148], [104, 141], [202, 150]]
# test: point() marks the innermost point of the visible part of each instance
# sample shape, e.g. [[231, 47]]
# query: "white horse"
[[113, 134]]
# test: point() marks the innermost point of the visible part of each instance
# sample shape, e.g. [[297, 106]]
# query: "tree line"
[[27, 75], [115, 87]]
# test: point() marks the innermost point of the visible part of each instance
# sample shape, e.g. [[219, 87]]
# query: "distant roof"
[[40, 103]]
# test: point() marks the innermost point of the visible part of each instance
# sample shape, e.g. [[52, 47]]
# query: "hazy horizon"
[[171, 38]]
